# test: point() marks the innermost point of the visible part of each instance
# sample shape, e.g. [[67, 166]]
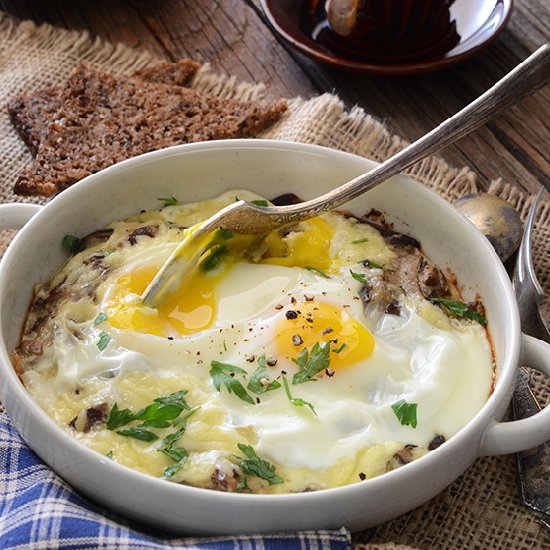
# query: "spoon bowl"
[[496, 219]]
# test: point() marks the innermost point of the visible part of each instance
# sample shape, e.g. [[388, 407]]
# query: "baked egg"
[[310, 358]]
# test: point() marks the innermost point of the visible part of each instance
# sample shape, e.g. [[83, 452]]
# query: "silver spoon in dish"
[[246, 218]]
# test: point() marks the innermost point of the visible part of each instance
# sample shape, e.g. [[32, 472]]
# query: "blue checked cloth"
[[39, 511]]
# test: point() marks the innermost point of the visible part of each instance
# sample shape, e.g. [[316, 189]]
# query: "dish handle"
[[527, 433], [16, 215]]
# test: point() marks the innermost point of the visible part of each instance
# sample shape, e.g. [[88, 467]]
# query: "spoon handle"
[[526, 78]]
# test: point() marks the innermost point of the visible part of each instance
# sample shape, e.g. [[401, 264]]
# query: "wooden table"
[[234, 37]]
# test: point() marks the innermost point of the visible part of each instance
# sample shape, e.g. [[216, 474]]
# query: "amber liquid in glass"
[[386, 31]]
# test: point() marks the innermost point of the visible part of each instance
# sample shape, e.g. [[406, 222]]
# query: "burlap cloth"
[[482, 509]]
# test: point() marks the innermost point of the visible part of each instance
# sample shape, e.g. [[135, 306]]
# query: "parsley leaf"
[[358, 277], [178, 454], [260, 202], [311, 364], [317, 270], [104, 339], [100, 318], [360, 241], [213, 258], [342, 347], [253, 465], [139, 432], [110, 454], [216, 248], [221, 373], [168, 201], [157, 414], [370, 263], [163, 410], [72, 244], [261, 373], [405, 412], [461, 309], [296, 401], [119, 417]]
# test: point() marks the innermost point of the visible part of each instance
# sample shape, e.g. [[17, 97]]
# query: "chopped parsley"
[[360, 241], [317, 270], [296, 401], [223, 373], [253, 465], [260, 202], [213, 258], [158, 414], [163, 412], [461, 309], [259, 382], [110, 454], [178, 454], [119, 417], [139, 432], [370, 263], [104, 339], [72, 244], [342, 347], [168, 201], [358, 277], [312, 363], [405, 412], [216, 248], [100, 318]]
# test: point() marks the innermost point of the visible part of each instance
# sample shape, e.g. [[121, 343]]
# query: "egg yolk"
[[310, 322], [193, 307], [187, 311], [307, 248]]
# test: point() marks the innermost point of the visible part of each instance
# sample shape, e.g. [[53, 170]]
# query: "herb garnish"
[[405, 412], [223, 373], [253, 465], [260, 375], [139, 432], [342, 347], [168, 201], [260, 202], [178, 454], [296, 401], [104, 339], [317, 270], [370, 263], [358, 277], [461, 309], [72, 244], [100, 318], [360, 241], [162, 413], [312, 363], [216, 249], [158, 414]]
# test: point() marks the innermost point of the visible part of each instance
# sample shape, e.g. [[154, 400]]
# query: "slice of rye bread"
[[32, 115], [103, 119]]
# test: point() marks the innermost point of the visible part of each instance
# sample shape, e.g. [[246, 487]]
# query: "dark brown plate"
[[477, 22]]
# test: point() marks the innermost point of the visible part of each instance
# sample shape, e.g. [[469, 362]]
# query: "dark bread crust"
[[32, 115], [103, 119]]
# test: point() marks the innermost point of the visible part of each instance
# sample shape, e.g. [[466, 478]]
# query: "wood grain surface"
[[235, 38]]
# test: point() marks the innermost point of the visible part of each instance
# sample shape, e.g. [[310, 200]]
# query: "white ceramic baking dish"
[[202, 170]]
